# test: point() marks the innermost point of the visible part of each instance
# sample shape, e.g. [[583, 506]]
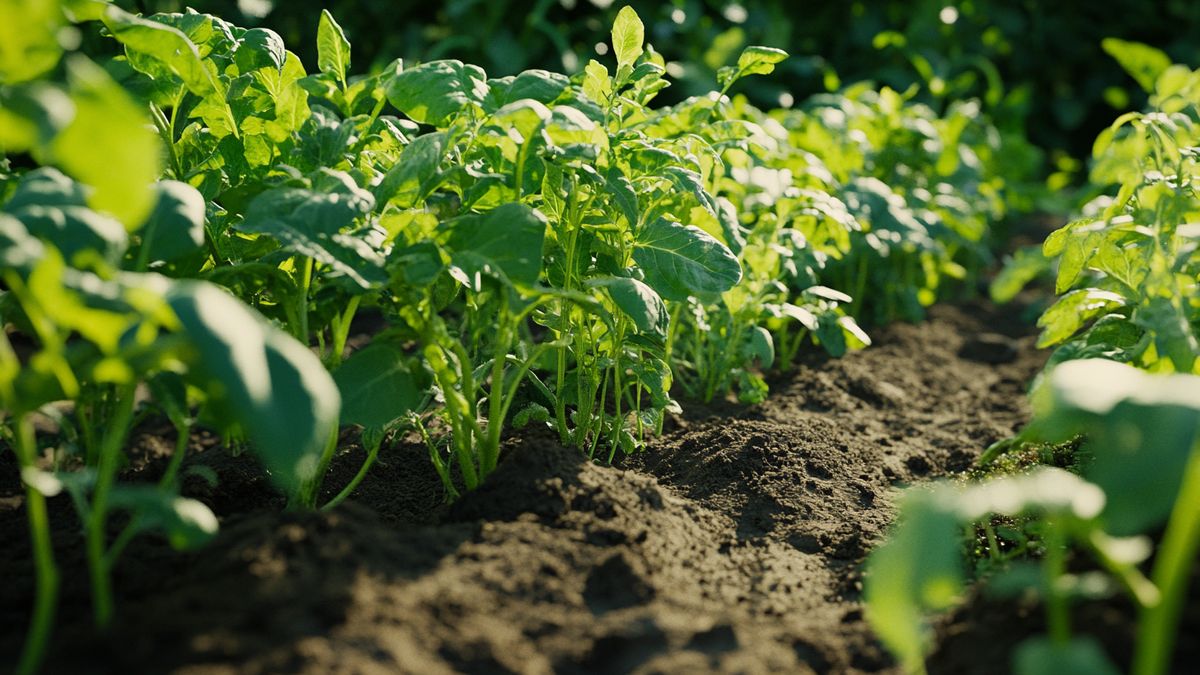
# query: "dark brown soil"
[[733, 544]]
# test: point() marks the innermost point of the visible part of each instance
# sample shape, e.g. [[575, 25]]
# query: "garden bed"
[[733, 543]]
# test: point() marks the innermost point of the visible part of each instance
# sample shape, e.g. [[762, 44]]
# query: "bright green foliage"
[[210, 219], [1127, 270], [1143, 433]]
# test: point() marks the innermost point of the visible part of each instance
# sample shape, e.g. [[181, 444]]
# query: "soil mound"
[[733, 544]]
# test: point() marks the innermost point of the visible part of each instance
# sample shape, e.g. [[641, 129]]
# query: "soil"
[[733, 544]]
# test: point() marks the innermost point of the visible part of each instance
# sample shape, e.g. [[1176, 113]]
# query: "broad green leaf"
[[597, 85], [756, 60], [109, 145], [333, 49], [28, 38], [83, 236], [434, 92], [175, 228], [260, 48], [506, 240], [46, 187], [760, 346], [315, 223], [415, 174], [263, 379], [917, 569], [1078, 249], [680, 261], [32, 115], [692, 183], [637, 301], [377, 386], [167, 45], [1143, 62], [540, 85], [621, 192], [1044, 656], [1168, 323], [1026, 264], [1072, 311], [827, 293], [186, 523], [289, 97], [628, 35], [1141, 429]]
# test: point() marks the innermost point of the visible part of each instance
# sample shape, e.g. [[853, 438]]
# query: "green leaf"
[[681, 261], [377, 386], [1079, 656], [1072, 311], [540, 85], [83, 236], [1078, 249], [186, 523], [175, 228], [1141, 429], [260, 48], [756, 60], [434, 92], [918, 568], [628, 35], [261, 378], [311, 223], [415, 174], [637, 301], [109, 145], [505, 242], [28, 39], [166, 45], [1026, 264], [31, 116], [1143, 62], [333, 49], [759, 346]]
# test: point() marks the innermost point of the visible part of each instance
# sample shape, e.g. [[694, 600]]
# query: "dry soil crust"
[[733, 544]]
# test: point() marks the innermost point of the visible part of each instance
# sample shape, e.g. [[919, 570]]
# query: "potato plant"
[[1122, 379], [194, 227]]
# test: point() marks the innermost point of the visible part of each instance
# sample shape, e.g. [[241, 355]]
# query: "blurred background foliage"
[[1036, 64]]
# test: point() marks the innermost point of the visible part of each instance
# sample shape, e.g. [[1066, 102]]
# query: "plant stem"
[[1159, 622], [182, 434], [106, 474], [341, 332], [1054, 566], [306, 272], [489, 453], [310, 492], [46, 588], [372, 454]]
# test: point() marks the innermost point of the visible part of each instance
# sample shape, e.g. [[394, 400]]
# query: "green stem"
[[340, 332], [46, 585], [489, 454], [1054, 566], [310, 492], [372, 454], [106, 474], [182, 434], [1159, 622], [306, 272], [166, 131]]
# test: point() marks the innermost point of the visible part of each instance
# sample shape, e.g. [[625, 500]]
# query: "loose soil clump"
[[733, 544]]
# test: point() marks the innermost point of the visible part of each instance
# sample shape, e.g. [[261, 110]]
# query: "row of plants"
[[1122, 386], [191, 229]]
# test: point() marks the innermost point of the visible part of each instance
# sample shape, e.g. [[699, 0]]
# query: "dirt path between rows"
[[734, 544]]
